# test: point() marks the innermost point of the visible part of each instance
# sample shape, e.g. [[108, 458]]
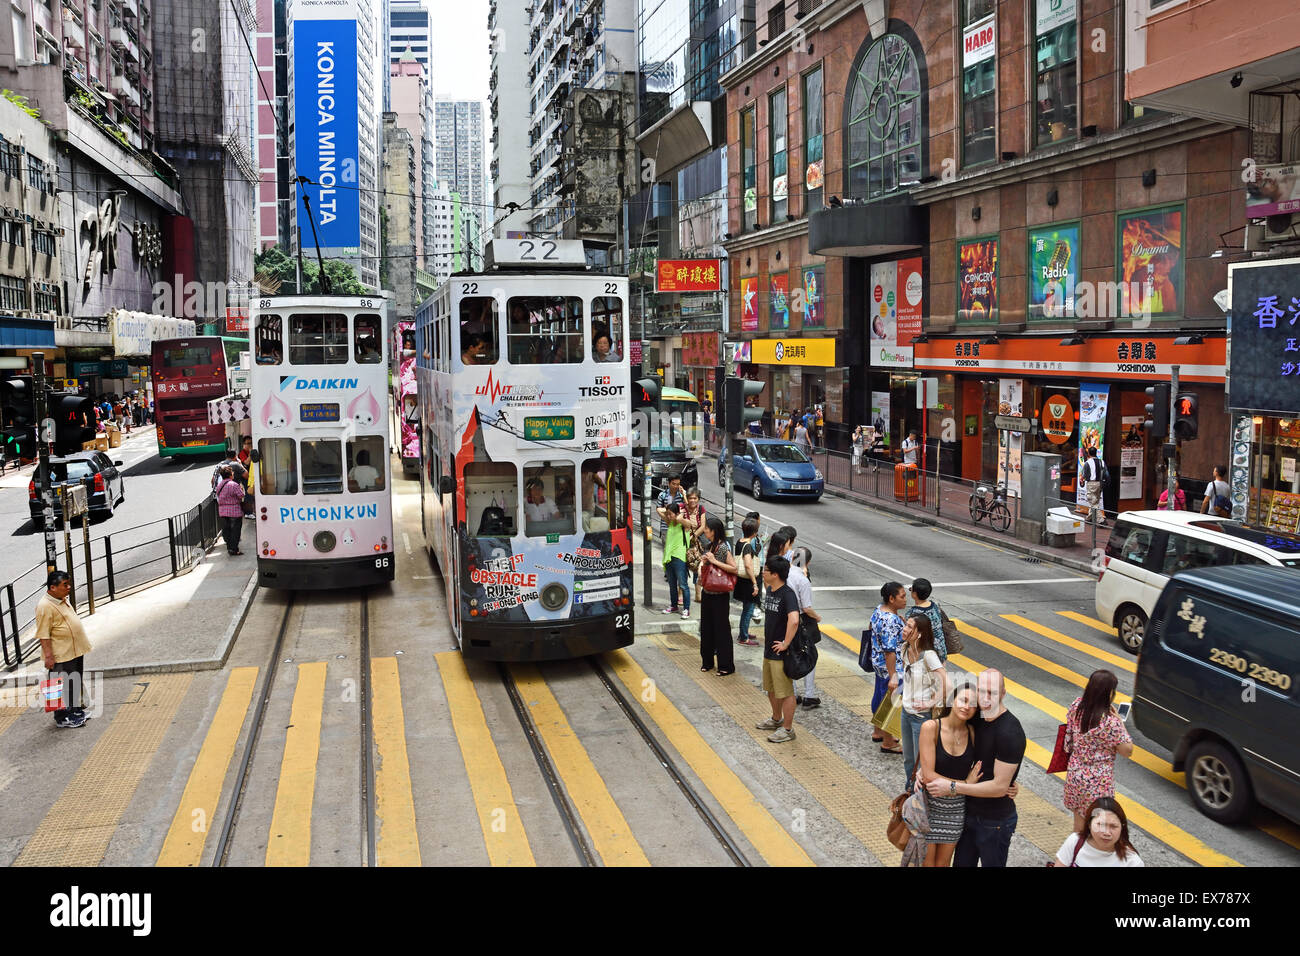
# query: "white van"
[[1147, 547]]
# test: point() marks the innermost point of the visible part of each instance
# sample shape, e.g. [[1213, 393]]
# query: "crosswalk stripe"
[[605, 823], [767, 836], [1114, 660], [1091, 622], [1160, 828], [397, 843], [184, 843], [503, 829], [1029, 657], [77, 829], [289, 842]]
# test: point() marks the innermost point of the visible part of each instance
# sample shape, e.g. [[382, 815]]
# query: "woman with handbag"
[[748, 581], [693, 518], [1094, 736], [1103, 842], [947, 749], [886, 633], [925, 687], [718, 579], [675, 546]]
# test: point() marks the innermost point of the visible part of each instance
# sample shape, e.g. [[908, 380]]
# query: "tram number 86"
[[381, 562]]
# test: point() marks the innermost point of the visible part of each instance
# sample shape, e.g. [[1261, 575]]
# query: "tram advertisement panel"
[[542, 501]]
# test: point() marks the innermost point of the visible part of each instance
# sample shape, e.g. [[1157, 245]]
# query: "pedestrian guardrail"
[[106, 571]]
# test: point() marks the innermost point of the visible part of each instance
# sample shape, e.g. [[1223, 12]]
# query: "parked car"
[[105, 484], [1215, 687], [774, 467], [1146, 548]]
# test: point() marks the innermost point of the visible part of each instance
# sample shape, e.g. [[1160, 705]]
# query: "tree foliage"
[[276, 273]]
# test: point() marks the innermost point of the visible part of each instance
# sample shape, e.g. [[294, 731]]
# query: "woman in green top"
[[675, 544]]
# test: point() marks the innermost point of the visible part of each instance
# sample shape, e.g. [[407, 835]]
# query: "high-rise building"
[[509, 112], [409, 31], [400, 205], [334, 136], [412, 102], [458, 150], [438, 206], [275, 193]]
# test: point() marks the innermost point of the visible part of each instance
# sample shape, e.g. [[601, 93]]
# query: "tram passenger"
[[537, 507], [364, 476], [602, 350], [475, 345]]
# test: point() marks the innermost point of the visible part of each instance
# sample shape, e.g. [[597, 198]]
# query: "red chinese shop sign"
[[687, 275]]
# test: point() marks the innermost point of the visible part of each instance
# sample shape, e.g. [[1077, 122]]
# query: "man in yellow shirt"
[[64, 646]]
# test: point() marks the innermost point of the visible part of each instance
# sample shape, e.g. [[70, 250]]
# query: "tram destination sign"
[[549, 428], [318, 412]]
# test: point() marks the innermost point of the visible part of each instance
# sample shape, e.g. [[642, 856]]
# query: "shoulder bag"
[[951, 636], [744, 590], [1060, 761], [714, 580], [864, 652], [801, 655]]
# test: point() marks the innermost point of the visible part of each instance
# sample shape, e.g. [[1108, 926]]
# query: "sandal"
[[725, 673], [886, 750], [707, 667]]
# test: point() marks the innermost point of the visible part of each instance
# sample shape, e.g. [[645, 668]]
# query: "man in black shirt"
[[780, 622], [990, 804]]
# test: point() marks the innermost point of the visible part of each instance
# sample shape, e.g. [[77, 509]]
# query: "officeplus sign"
[[1264, 364]]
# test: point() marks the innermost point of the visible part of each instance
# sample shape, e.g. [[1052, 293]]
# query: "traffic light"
[[738, 415], [1157, 423], [74, 421], [18, 398], [1185, 424]]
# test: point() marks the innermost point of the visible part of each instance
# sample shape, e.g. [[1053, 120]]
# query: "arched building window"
[[884, 108]]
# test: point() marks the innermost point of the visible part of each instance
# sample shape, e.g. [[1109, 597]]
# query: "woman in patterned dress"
[[1094, 735], [948, 750]]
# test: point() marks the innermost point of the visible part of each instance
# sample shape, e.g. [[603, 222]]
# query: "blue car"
[[773, 467]]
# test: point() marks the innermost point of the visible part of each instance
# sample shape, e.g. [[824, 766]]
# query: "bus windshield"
[[187, 357], [678, 426]]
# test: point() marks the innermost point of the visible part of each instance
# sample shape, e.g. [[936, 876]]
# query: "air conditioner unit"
[[1283, 228]]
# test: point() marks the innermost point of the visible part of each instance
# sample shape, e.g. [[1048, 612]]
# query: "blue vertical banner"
[[326, 139]]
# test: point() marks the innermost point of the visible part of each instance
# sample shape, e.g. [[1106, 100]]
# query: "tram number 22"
[[381, 562], [621, 621]]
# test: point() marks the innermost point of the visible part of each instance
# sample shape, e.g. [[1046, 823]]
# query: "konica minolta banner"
[[325, 120]]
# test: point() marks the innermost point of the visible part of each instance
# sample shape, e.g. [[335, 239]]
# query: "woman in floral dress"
[[1094, 735]]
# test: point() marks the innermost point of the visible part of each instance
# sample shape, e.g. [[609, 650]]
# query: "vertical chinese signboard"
[[977, 281], [749, 304], [1053, 271], [778, 305], [700, 349], [1151, 262]]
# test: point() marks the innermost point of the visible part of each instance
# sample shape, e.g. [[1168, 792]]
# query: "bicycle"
[[994, 508]]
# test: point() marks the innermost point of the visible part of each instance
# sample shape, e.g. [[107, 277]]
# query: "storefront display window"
[[1274, 496]]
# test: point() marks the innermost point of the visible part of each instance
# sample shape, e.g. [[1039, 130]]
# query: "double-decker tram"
[[186, 374], [320, 437], [524, 434]]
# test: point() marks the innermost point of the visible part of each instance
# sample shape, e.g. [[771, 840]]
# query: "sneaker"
[[781, 736], [811, 702], [73, 721], [669, 610], [686, 614], [749, 642], [769, 724]]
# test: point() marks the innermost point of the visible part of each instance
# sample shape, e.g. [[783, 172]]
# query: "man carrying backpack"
[[1216, 500], [1095, 475]]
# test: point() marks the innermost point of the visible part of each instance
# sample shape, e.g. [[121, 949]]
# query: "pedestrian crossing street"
[[707, 723]]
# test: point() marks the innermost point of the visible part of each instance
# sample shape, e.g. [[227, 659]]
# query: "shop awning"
[[869, 229], [229, 409], [679, 137], [16, 333]]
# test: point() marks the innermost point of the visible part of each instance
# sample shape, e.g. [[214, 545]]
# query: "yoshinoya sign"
[[1134, 357], [326, 136], [1265, 334], [135, 332]]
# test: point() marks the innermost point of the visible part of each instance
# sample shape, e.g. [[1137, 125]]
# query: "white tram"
[[320, 441], [524, 431]]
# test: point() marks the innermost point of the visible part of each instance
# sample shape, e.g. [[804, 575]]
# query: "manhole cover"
[[1029, 560]]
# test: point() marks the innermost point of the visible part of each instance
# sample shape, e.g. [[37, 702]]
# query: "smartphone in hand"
[[1123, 709]]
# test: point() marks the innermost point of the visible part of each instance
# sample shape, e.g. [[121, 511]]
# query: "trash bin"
[[906, 486]]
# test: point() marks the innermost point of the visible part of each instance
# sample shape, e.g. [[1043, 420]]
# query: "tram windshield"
[[549, 506], [322, 466]]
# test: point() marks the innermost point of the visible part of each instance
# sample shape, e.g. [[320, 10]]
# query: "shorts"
[[774, 680]]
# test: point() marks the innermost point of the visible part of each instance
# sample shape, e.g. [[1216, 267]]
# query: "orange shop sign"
[[1058, 419], [687, 275], [1133, 357]]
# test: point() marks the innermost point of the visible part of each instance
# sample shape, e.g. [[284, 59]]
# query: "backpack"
[[1220, 504]]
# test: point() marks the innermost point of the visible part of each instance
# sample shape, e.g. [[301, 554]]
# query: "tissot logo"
[[296, 384], [594, 391]]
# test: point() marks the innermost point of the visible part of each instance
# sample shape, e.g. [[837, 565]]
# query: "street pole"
[[1173, 462], [43, 461], [647, 580], [925, 436], [729, 510]]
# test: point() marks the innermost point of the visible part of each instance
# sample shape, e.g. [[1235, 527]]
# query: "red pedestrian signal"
[[1185, 416]]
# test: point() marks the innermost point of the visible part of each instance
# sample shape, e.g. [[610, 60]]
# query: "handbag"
[[1060, 761], [896, 830], [801, 656], [864, 652], [888, 717], [52, 691], [714, 580], [951, 636]]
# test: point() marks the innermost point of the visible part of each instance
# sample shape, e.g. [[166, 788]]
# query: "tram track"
[[564, 804], [365, 700]]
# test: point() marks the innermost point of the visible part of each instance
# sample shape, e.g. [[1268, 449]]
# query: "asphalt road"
[[1032, 622]]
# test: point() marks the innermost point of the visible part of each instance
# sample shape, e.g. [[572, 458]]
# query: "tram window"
[[368, 329], [549, 506], [444, 324], [604, 494], [279, 466], [607, 323], [322, 466], [268, 340], [491, 498], [544, 330], [479, 343], [366, 464], [318, 339]]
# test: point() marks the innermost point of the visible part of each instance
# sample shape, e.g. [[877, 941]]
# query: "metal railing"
[[106, 571]]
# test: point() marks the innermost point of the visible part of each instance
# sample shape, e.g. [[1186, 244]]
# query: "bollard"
[[108, 565]]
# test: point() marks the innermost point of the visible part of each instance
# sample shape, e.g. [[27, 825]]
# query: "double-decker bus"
[[320, 441], [524, 438], [187, 373]]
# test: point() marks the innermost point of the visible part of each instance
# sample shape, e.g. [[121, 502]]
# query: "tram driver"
[[537, 507], [364, 476]]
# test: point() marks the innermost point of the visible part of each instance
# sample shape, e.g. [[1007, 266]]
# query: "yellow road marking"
[[1029, 657], [396, 843], [289, 842], [1114, 660], [853, 644], [1172, 836], [503, 829], [1283, 830], [9, 716], [1091, 622], [184, 843], [609, 830], [760, 828], [78, 828]]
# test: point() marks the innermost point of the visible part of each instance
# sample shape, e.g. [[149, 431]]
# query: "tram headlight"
[[324, 541], [554, 596]]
